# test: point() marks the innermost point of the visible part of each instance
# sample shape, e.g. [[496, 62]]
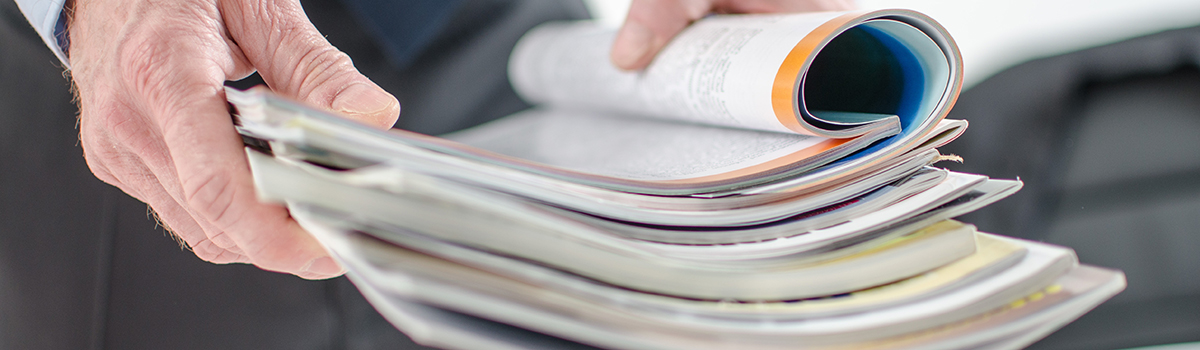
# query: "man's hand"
[[154, 122], [652, 23]]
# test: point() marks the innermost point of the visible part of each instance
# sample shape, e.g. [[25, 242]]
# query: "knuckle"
[[223, 240], [211, 194], [207, 251], [281, 255], [134, 133], [139, 65], [97, 167], [163, 73], [95, 155], [111, 164], [320, 65]]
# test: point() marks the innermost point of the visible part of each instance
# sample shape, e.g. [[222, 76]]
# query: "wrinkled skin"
[[154, 123], [153, 118]]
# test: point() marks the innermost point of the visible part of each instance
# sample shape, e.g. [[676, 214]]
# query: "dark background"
[[1107, 142]]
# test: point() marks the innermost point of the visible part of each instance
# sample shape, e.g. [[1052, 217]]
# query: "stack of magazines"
[[767, 183]]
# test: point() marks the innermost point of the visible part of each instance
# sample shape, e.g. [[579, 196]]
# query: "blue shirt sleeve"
[[46, 17]]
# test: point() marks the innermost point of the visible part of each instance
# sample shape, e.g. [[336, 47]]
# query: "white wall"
[[610, 12]]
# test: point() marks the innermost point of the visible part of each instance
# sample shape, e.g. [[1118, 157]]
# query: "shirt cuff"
[[46, 17]]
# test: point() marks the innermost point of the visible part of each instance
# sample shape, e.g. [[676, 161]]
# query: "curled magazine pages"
[[833, 75], [768, 182], [718, 111], [786, 96]]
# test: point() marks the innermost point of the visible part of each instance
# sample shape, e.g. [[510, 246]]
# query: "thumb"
[[294, 59], [649, 26]]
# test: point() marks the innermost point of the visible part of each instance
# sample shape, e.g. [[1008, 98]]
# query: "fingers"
[[182, 90], [296, 60], [131, 175], [651, 24], [134, 146], [207, 154], [154, 123], [773, 6], [216, 179]]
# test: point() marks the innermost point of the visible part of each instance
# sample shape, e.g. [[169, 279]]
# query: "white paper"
[[634, 148], [720, 71]]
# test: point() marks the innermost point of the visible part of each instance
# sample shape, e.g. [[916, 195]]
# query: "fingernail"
[[324, 266], [361, 99], [633, 43]]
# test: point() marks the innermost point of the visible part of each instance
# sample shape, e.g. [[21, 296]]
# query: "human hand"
[[650, 24], [154, 122]]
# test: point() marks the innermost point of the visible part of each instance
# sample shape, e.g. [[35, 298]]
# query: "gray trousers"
[[82, 265]]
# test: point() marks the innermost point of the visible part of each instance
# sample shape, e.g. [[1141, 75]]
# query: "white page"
[[719, 71], [635, 148]]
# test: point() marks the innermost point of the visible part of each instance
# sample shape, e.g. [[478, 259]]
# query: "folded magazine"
[[768, 182]]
